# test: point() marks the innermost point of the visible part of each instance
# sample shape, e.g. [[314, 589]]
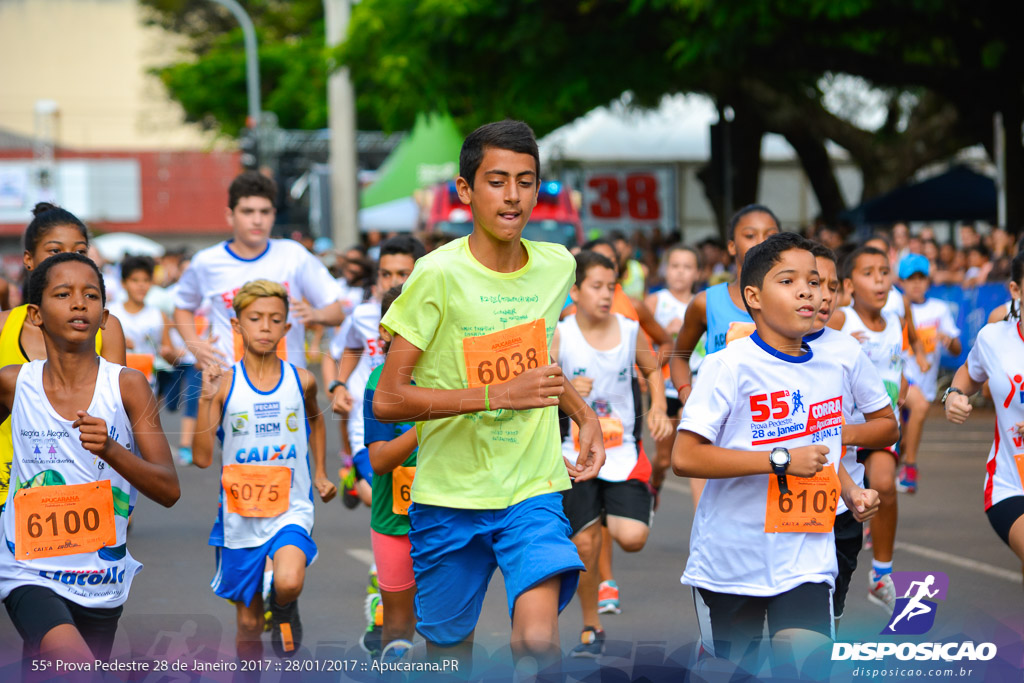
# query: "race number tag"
[[143, 362], [1020, 465], [498, 357], [51, 521], [256, 490], [401, 489], [809, 507], [611, 430], [738, 330]]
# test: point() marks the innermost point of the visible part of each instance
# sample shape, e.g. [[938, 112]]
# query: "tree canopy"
[[944, 67]]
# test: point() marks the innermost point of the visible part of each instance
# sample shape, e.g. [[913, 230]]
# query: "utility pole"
[[341, 119], [252, 60]]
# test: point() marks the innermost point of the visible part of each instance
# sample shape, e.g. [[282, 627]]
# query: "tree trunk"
[[737, 142], [818, 169], [1013, 119]]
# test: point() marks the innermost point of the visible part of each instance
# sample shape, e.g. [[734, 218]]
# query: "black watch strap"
[[783, 486], [334, 385]]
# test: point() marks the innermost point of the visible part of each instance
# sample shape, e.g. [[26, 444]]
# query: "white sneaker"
[[882, 591]]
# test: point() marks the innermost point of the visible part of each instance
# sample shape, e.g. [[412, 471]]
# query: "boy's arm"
[[209, 413], [398, 400], [8, 380], [153, 474], [317, 437], [695, 456], [202, 349], [649, 325], [329, 315], [657, 419], [694, 325], [863, 503], [385, 456], [879, 431], [113, 347], [167, 350], [592, 456], [916, 345], [341, 398]]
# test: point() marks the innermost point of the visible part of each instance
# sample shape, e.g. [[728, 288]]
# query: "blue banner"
[[970, 308]]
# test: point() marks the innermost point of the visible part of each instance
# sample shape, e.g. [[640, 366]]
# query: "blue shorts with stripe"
[[239, 575]]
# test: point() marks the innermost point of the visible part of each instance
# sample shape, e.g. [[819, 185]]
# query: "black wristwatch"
[[951, 390], [780, 458], [334, 385]]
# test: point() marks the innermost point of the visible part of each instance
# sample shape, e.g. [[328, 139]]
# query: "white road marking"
[[962, 562], [362, 554]]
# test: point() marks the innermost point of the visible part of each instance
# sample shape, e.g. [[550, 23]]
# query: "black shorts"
[[1003, 514], [588, 501], [672, 407], [731, 625], [36, 610], [849, 541]]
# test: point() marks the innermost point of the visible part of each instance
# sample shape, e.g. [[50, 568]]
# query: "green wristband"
[[487, 400]]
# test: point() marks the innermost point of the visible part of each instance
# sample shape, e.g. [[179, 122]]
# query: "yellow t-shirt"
[[11, 354], [488, 460]]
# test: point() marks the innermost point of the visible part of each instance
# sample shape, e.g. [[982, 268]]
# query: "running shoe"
[[608, 598], [906, 481], [591, 644], [184, 455], [285, 627], [349, 495], [372, 638], [882, 591], [396, 650]]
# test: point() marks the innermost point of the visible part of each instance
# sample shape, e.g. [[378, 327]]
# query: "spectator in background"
[[633, 276], [1001, 244], [968, 236], [950, 268], [978, 266], [900, 241], [830, 236], [915, 245], [715, 261], [927, 233]]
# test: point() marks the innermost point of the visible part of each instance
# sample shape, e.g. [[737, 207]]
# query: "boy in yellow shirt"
[[472, 327]]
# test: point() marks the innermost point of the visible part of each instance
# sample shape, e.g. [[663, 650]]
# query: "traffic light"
[[249, 145]]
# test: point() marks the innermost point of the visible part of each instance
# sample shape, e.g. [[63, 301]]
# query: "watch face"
[[779, 456]]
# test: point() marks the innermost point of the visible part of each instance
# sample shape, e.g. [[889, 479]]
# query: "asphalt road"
[[172, 615]]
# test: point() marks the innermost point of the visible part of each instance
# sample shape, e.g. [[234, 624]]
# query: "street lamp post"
[[341, 119], [252, 60]]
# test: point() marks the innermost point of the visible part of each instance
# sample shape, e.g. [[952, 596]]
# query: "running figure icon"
[[915, 607]]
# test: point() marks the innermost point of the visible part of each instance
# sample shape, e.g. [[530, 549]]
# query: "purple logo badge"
[[916, 592]]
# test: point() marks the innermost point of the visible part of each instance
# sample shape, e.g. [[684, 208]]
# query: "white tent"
[[677, 131], [399, 215]]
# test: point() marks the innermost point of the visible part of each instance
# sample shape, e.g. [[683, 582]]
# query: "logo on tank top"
[[239, 423], [266, 454], [292, 422], [1016, 387], [268, 429], [266, 409]]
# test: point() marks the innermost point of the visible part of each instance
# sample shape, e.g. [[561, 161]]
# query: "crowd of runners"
[[494, 396]]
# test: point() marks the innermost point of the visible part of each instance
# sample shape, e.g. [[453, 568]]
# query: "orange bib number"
[[401, 489], [738, 330], [143, 362], [809, 507], [1020, 465], [498, 357], [611, 430], [51, 521], [256, 490]]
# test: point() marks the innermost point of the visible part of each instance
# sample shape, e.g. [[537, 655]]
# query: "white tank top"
[[48, 452], [883, 349], [612, 396], [667, 308], [266, 429]]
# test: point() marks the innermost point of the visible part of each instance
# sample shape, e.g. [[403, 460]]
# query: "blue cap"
[[914, 263], [322, 244]]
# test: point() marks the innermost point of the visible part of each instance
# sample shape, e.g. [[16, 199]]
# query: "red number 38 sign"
[[626, 198]]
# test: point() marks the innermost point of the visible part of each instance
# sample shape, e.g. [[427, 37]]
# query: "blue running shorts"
[[239, 575], [455, 553]]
